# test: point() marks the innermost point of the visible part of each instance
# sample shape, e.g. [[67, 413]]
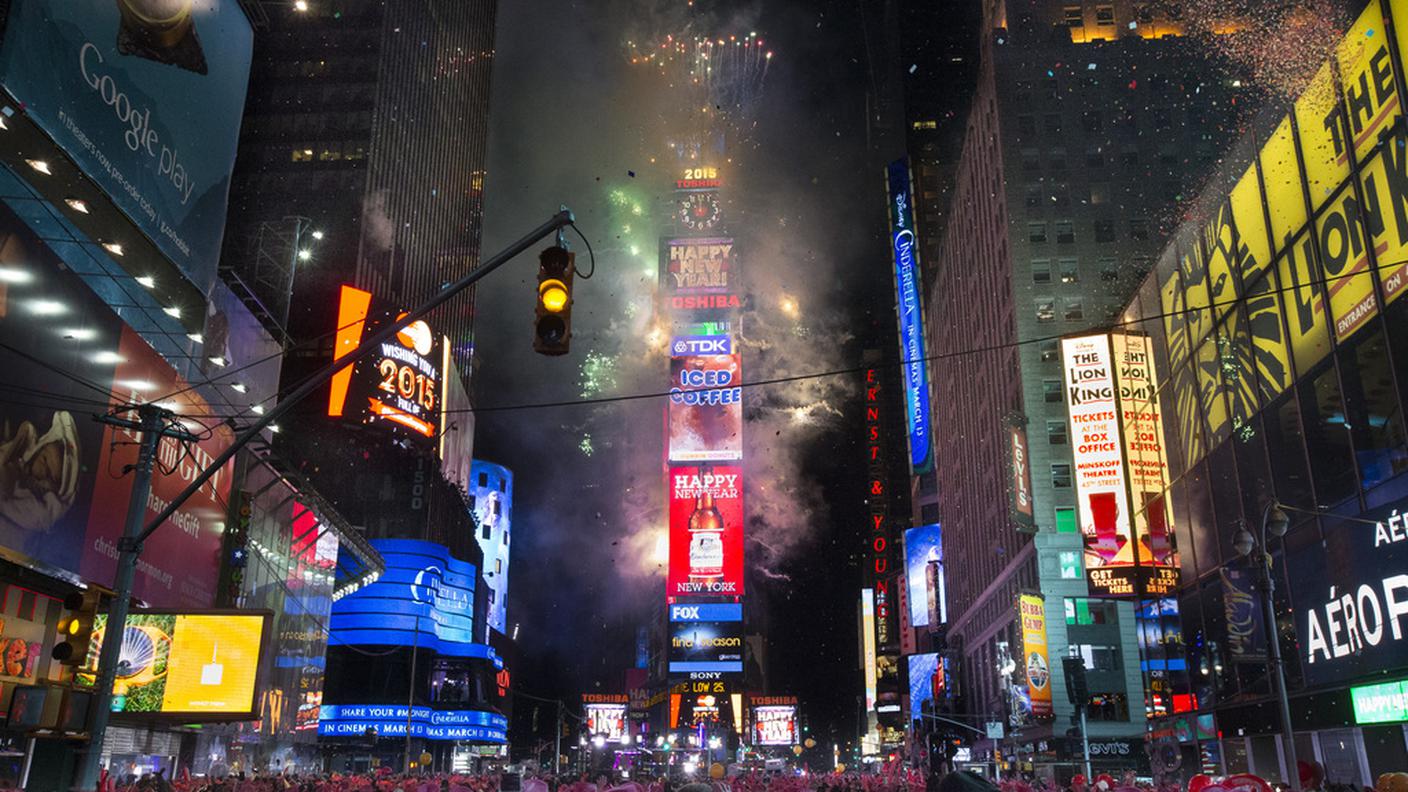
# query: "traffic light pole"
[[150, 427], [130, 545]]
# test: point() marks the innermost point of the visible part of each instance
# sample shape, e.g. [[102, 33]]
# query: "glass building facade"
[[1280, 339]]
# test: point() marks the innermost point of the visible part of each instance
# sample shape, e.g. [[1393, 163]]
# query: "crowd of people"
[[894, 778]]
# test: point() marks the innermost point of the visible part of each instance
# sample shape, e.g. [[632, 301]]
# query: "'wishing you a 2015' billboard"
[[147, 98]]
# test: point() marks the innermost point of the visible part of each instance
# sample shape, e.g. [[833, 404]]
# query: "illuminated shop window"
[[1070, 565]]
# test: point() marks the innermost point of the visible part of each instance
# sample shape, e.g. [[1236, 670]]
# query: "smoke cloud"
[[575, 122]]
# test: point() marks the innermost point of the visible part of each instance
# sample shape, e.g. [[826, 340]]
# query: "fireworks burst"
[[724, 73], [598, 375]]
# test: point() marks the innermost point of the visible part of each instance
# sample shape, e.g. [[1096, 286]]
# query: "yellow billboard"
[[1035, 658], [1366, 78], [184, 664]]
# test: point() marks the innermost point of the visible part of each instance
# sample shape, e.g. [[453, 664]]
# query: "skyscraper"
[[362, 157], [1090, 122]]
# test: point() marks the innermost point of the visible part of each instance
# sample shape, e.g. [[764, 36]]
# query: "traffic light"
[[1077, 689], [552, 327], [76, 627]]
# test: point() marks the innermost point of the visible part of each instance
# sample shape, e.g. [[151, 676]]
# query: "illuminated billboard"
[[706, 531], [703, 266], [1036, 660], [1120, 466], [1101, 491], [606, 715], [706, 408], [927, 682], [185, 664], [911, 317], [490, 494], [392, 720], [924, 575], [706, 646], [63, 496], [424, 598], [775, 725], [1146, 465], [398, 384], [146, 98], [867, 647]]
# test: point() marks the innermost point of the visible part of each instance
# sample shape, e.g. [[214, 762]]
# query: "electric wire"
[[1211, 306]]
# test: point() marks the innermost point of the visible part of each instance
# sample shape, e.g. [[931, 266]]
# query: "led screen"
[[184, 663]]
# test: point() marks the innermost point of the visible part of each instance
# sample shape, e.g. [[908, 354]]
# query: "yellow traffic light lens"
[[553, 295], [74, 626]]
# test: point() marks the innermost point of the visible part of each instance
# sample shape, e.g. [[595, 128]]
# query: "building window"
[[1168, 158], [1061, 193], [1031, 161], [1104, 15], [1070, 564], [1066, 520], [1065, 232], [1074, 311], [1073, 16], [1084, 612], [302, 155], [1104, 230], [1052, 123], [1050, 353], [929, 513], [1033, 197], [1070, 270], [1045, 310], [1036, 232], [1023, 90], [1041, 270], [1061, 476], [1091, 121], [1098, 657], [1056, 432], [1129, 158], [1026, 125], [1138, 228], [1095, 158], [1109, 269], [1052, 392], [1057, 160], [1099, 194], [1163, 118]]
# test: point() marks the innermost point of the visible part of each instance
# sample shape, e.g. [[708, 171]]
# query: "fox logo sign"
[[715, 612]]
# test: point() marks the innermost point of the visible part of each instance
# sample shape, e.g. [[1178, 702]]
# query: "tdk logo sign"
[[701, 345], [724, 612]]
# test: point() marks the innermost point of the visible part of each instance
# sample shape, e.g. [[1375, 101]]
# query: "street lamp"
[[1253, 548]]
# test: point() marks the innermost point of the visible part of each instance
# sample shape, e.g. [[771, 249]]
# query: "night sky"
[[571, 122]]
